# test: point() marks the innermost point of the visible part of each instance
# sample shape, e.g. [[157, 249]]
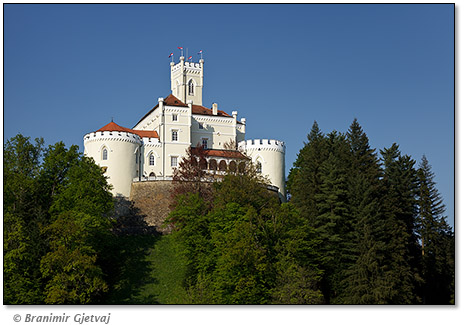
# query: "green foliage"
[[69, 268], [23, 216], [370, 220], [304, 181], [55, 224], [84, 189], [399, 208], [437, 241], [364, 280], [357, 230], [235, 245], [21, 277]]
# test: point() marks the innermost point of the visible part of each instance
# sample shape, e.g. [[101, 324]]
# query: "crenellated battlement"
[[112, 136], [192, 66], [262, 144], [151, 142], [130, 156]]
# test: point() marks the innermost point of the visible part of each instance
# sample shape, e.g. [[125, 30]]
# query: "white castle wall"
[[270, 153], [121, 167], [151, 146], [181, 74]]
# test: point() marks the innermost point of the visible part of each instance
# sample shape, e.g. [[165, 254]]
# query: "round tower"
[[270, 156], [117, 152]]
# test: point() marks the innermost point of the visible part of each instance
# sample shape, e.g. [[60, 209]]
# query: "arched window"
[[203, 164], [232, 166], [191, 87], [104, 154], [241, 167], [212, 164], [259, 167], [151, 160], [222, 166], [152, 174]]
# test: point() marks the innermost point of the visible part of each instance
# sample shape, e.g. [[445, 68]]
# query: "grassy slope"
[[168, 268]]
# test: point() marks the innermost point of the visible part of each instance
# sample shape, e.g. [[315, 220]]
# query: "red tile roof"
[[146, 134], [171, 100], [112, 126], [224, 153], [197, 109]]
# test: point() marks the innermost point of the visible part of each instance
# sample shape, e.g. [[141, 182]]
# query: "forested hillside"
[[359, 228], [384, 238]]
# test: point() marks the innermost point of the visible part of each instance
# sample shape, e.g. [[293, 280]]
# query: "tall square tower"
[[187, 81]]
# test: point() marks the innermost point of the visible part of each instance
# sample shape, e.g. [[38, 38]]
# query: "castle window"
[[175, 117], [222, 165], [151, 160], [200, 126], [174, 161], [212, 164], [104, 154], [241, 167], [205, 143], [174, 135], [259, 167], [232, 166], [203, 164], [191, 87]]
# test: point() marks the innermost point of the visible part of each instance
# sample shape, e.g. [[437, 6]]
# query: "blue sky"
[[68, 69]]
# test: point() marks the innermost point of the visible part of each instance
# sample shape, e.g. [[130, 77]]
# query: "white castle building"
[[153, 148]]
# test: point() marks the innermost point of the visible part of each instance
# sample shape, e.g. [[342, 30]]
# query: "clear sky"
[[68, 69]]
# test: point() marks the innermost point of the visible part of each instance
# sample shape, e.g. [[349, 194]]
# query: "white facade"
[[116, 152], [269, 155], [153, 148]]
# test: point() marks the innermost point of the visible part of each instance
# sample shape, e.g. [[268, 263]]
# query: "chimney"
[[215, 108], [243, 120], [160, 104], [234, 114]]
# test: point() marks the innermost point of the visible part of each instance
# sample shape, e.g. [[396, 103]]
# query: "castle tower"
[[117, 150], [187, 81], [269, 155]]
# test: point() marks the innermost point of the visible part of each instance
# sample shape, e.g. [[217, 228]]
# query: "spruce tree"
[[364, 282], [436, 237], [304, 182], [333, 223], [399, 211]]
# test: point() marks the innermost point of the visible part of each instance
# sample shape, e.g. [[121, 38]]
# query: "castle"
[[153, 148]]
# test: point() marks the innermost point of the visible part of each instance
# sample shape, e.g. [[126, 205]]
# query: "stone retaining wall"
[[152, 199]]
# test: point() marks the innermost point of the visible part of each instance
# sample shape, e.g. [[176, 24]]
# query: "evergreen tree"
[[436, 241], [297, 266], [364, 282], [333, 223], [304, 182], [399, 212]]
